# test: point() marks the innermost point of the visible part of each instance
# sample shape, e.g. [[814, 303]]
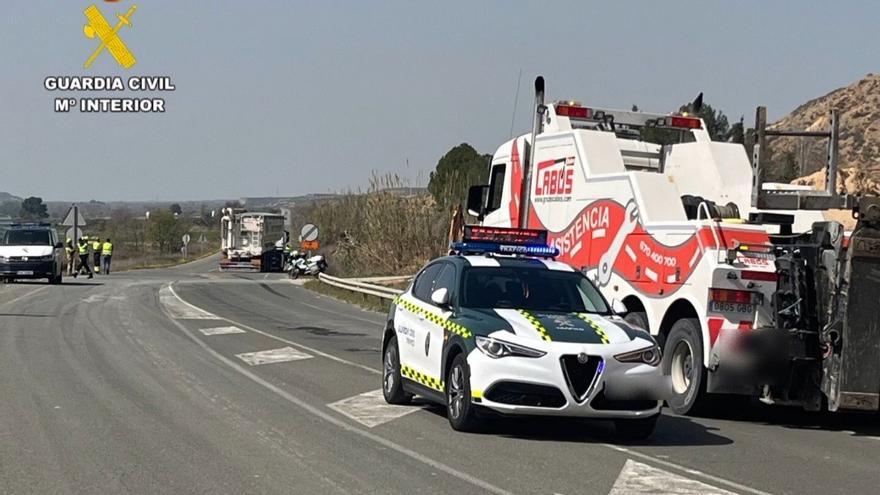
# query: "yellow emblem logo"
[[109, 37]]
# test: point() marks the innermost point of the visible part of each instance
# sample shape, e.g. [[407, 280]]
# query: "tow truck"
[[747, 288], [249, 239]]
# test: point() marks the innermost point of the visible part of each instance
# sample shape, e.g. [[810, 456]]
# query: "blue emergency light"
[[504, 241]]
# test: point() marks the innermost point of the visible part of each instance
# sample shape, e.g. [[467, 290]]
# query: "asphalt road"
[[158, 382]]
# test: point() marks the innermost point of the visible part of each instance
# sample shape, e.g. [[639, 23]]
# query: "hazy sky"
[[293, 97]]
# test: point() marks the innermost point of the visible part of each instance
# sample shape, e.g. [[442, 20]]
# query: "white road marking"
[[178, 309], [671, 279], [739, 487], [19, 298], [576, 248], [220, 330], [305, 406], [651, 274], [629, 252], [370, 409], [281, 355], [598, 234], [280, 339], [636, 478]]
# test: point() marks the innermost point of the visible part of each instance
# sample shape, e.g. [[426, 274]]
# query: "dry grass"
[[378, 232]]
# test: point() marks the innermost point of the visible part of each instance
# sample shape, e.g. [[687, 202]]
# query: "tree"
[[715, 120], [165, 230], [460, 168], [175, 209], [33, 208]]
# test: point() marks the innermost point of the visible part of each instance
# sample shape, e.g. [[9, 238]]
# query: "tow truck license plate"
[[24, 272], [726, 307]]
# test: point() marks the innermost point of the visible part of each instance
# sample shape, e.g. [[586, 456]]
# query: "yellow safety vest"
[[96, 246], [82, 248], [107, 249]]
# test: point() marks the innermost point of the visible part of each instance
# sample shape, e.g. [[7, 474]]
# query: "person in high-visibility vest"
[[106, 255], [96, 254], [82, 248], [71, 256]]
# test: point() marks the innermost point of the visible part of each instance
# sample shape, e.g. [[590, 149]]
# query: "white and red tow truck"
[[743, 283]]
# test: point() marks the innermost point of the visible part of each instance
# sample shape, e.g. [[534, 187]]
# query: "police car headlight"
[[495, 348], [649, 355]]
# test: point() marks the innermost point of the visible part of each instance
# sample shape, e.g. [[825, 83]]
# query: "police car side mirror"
[[618, 308], [58, 245], [440, 297]]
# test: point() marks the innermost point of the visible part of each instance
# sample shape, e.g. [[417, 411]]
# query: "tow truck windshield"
[[24, 237], [534, 289]]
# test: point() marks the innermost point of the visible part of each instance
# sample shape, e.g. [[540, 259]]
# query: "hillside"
[[5, 196], [859, 106]]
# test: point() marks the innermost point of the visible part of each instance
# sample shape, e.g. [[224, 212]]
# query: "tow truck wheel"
[[636, 429], [460, 411], [392, 386], [683, 362]]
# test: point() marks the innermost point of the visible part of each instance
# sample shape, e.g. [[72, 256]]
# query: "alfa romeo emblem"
[[583, 358]]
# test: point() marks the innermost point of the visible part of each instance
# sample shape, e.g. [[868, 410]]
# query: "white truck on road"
[[247, 237], [743, 283]]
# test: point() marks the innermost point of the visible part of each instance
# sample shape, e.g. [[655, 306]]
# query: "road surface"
[[188, 380]]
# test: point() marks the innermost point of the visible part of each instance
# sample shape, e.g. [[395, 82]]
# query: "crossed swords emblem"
[[98, 26]]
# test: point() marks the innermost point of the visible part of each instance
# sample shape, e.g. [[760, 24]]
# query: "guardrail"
[[356, 285]]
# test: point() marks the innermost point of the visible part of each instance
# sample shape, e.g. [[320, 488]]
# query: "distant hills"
[[859, 155], [5, 196]]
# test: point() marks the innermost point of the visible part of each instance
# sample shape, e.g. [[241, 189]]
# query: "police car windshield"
[[530, 288], [22, 237]]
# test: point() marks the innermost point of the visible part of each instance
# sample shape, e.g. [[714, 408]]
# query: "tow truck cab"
[[660, 217], [31, 251]]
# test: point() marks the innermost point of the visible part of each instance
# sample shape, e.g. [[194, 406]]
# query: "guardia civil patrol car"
[[500, 327]]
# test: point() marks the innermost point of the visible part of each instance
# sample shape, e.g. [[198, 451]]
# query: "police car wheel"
[[636, 429], [683, 362], [460, 411], [392, 385]]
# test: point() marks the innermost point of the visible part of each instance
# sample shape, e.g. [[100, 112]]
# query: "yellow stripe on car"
[[426, 380], [600, 332], [535, 323], [450, 326]]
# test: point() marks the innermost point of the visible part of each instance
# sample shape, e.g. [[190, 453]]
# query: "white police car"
[[479, 331]]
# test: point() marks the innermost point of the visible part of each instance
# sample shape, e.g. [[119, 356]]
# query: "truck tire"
[[683, 362], [392, 383]]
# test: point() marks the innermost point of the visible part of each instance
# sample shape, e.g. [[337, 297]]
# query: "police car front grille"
[[601, 403], [579, 376], [525, 394]]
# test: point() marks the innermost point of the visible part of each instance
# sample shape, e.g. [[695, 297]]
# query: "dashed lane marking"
[[370, 409], [221, 330], [281, 355], [306, 348], [637, 478]]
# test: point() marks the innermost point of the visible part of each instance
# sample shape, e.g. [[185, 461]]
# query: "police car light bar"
[[497, 240], [477, 233], [537, 251]]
